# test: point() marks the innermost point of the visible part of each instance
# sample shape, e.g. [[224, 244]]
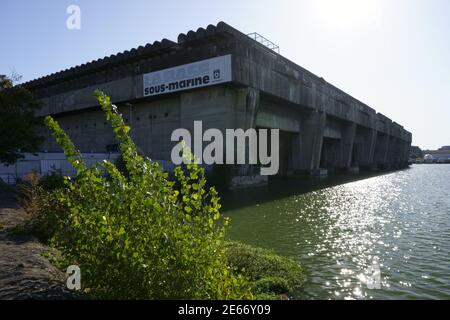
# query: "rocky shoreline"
[[24, 272]]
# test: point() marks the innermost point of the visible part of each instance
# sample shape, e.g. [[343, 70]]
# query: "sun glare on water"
[[345, 15]]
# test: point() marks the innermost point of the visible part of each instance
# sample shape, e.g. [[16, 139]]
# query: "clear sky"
[[394, 55]]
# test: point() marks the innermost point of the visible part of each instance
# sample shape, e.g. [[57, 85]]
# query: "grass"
[[272, 276]]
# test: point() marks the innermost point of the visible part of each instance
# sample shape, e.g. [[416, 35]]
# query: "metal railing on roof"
[[264, 41]]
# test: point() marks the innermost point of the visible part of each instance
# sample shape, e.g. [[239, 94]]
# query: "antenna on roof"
[[264, 41]]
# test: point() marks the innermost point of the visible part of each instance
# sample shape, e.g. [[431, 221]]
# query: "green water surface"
[[342, 229]]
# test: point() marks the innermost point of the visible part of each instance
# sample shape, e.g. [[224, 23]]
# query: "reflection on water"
[[398, 223]]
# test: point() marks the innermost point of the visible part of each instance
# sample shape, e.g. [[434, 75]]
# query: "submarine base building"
[[226, 79]]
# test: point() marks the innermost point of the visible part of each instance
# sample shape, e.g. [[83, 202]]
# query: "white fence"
[[45, 163]]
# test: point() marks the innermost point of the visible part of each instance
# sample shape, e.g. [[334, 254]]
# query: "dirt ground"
[[24, 272]]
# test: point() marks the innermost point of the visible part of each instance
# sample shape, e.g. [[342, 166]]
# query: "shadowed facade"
[[322, 129]]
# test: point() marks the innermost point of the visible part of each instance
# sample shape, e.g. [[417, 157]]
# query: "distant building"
[[442, 155], [415, 153]]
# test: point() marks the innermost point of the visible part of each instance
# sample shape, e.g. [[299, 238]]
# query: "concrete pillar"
[[387, 155], [366, 141], [245, 113], [372, 143], [381, 149], [285, 151], [331, 153], [252, 98], [295, 152], [392, 153], [401, 152], [311, 138], [346, 145], [407, 151], [396, 152]]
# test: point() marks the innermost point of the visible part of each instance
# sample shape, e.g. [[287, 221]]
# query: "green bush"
[[52, 181], [275, 285], [269, 273], [139, 236]]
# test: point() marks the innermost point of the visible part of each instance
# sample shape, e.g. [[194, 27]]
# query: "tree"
[[18, 123]]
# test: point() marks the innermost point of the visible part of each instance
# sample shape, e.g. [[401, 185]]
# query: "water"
[[397, 224]]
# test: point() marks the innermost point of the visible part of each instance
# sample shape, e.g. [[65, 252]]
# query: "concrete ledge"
[[319, 173], [353, 170], [243, 182]]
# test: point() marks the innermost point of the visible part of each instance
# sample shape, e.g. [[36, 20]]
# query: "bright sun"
[[348, 14]]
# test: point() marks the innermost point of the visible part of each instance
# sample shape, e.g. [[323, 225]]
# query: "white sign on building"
[[188, 76]]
